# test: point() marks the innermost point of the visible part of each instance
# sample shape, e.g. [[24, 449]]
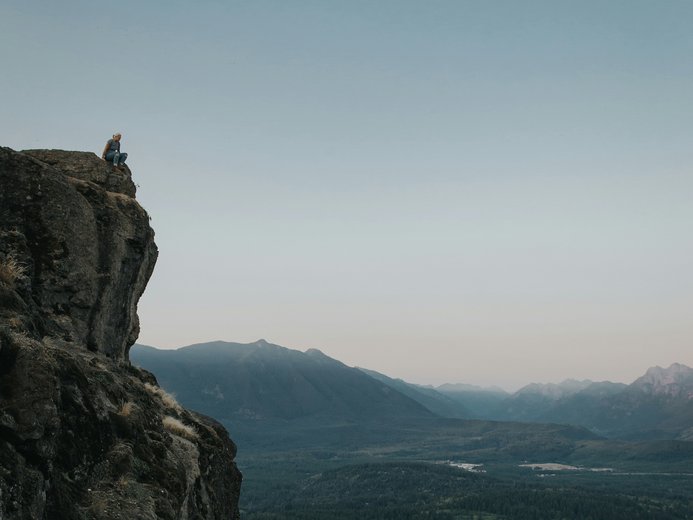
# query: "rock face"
[[85, 241], [83, 434]]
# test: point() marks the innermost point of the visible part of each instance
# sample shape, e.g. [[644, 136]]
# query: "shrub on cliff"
[[10, 271]]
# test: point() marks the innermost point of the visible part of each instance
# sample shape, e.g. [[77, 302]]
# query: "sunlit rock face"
[[83, 434]]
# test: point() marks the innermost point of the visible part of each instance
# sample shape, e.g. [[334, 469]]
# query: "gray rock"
[[88, 251], [83, 434], [88, 167], [82, 437]]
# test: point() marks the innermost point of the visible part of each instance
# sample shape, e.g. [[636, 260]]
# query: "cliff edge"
[[83, 434]]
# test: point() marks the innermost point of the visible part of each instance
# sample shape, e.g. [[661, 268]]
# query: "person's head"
[[116, 136]]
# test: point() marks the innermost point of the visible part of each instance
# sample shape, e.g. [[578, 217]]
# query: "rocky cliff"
[[83, 434]]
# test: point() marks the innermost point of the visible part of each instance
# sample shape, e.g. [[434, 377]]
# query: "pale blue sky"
[[493, 192]]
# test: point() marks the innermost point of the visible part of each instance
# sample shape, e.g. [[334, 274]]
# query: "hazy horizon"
[[493, 193], [507, 388]]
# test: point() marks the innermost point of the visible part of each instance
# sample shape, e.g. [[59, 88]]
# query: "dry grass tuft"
[[127, 409], [14, 322], [166, 398], [176, 427], [10, 271]]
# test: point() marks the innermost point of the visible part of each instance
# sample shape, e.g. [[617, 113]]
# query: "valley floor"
[[437, 474]]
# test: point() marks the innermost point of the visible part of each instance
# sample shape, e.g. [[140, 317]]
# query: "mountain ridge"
[[605, 408], [303, 384]]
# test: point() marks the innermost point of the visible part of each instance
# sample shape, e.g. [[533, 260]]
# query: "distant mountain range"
[[658, 405], [242, 384], [265, 381]]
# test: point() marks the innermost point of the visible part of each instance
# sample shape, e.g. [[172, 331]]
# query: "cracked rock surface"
[[83, 434]]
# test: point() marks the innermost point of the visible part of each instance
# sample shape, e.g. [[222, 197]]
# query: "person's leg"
[[109, 156], [116, 158], [123, 157]]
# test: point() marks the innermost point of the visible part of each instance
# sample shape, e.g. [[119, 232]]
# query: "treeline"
[[568, 503], [428, 491]]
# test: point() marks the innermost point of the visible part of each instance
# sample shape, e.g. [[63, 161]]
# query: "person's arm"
[[105, 150]]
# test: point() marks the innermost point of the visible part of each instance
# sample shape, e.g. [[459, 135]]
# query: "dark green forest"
[[403, 490]]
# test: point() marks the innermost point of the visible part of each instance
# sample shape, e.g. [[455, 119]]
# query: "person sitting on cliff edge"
[[111, 151]]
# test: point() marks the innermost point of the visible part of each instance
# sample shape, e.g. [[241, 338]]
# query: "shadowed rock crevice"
[[83, 434]]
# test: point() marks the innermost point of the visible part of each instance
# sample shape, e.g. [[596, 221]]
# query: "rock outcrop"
[[86, 244], [83, 434]]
